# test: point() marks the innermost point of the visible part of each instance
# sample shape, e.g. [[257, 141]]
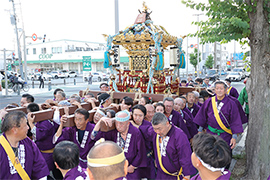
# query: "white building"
[[66, 55]]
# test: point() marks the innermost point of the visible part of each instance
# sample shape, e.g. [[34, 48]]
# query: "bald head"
[[105, 150], [150, 111], [122, 114]]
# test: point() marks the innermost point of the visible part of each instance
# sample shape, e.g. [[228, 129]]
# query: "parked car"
[[57, 74], [212, 74], [72, 74], [241, 71], [97, 76], [234, 76], [34, 77], [222, 72], [65, 72]]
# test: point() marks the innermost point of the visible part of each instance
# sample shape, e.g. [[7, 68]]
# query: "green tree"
[[247, 21], [209, 61], [193, 58]]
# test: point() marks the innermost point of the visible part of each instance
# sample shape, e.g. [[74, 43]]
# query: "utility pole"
[[5, 66], [187, 57], [116, 16], [198, 44], [24, 47], [18, 41]]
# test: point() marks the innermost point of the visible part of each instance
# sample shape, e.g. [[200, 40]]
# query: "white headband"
[[102, 113], [209, 166]]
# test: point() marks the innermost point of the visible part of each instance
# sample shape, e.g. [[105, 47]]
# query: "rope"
[[113, 81], [198, 89], [138, 95], [85, 91], [111, 92]]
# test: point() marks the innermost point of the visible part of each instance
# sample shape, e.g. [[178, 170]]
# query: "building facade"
[[67, 55]]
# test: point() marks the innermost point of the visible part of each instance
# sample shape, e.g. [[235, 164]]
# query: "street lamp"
[[116, 16], [198, 41]]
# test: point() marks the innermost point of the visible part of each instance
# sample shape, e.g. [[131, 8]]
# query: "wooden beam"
[[120, 95], [43, 115], [24, 109]]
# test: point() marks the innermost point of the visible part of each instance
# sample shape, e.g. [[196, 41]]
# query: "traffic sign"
[[34, 37], [87, 63]]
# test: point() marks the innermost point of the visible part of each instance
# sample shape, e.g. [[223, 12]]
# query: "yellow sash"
[[11, 156], [220, 123], [47, 151], [228, 91], [160, 161]]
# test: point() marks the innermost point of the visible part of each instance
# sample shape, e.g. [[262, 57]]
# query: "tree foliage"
[[246, 21], [228, 20], [193, 58], [209, 61]]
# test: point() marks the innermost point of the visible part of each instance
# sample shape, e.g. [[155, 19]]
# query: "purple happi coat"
[[199, 104], [234, 93], [149, 171], [178, 121], [43, 134], [226, 176], [30, 158], [185, 109], [71, 134], [243, 115], [229, 109], [191, 126], [77, 172], [177, 147], [134, 149], [194, 109]]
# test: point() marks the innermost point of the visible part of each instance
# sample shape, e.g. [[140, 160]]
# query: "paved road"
[[42, 94]]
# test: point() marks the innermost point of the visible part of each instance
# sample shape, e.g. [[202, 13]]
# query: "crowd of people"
[[189, 137]]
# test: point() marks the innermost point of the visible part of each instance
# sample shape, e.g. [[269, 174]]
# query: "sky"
[[87, 20]]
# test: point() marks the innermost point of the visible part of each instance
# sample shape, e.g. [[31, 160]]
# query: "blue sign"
[[238, 56]]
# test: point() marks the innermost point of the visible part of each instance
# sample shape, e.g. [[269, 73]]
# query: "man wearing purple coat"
[[43, 133], [171, 148], [220, 115], [191, 105], [184, 108], [174, 116], [210, 156], [20, 158], [66, 156], [191, 126], [79, 134], [107, 161], [231, 90], [129, 138]]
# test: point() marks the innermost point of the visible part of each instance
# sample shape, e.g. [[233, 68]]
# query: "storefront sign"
[[45, 56]]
